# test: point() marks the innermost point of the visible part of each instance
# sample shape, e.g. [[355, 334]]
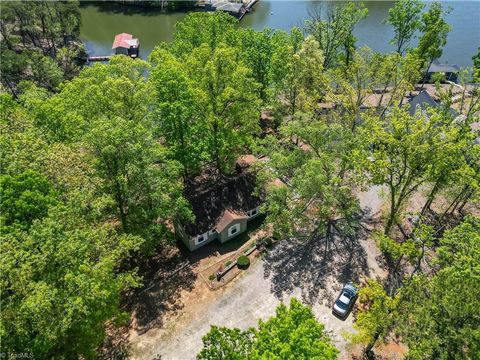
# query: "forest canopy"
[[95, 161]]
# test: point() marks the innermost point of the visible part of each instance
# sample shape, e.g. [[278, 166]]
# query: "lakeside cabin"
[[223, 208], [126, 44]]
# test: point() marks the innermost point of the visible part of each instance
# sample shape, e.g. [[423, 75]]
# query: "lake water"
[[100, 23]]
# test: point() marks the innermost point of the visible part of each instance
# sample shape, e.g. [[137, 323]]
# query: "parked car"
[[345, 300]]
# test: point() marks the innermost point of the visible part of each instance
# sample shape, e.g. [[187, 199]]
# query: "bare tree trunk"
[[465, 201], [431, 196], [391, 215], [426, 74]]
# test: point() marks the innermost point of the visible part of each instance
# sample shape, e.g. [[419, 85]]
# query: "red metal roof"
[[124, 40]]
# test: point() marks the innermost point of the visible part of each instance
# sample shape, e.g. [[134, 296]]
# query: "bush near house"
[[243, 262], [268, 242]]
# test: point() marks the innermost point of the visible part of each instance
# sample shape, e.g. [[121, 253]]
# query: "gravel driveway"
[[289, 270]]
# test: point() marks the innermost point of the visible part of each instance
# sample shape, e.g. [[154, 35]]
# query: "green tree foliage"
[[205, 28], [353, 85], [332, 26], [225, 343], [406, 150], [231, 107], [65, 256], [40, 42], [257, 51], [444, 322], [293, 333], [318, 198], [405, 17], [177, 112], [25, 198], [434, 31], [374, 321], [434, 314], [118, 89], [219, 106], [60, 284], [143, 183]]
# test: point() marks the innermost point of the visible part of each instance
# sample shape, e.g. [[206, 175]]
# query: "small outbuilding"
[[449, 70], [126, 44]]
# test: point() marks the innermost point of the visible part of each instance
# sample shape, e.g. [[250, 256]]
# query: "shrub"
[[212, 277], [243, 262], [268, 241], [228, 263]]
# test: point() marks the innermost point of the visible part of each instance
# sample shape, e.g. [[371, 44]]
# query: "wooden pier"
[[247, 8], [99, 58]]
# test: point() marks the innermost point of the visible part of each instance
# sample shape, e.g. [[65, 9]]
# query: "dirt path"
[[290, 270]]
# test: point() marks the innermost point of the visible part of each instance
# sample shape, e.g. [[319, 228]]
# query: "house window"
[[232, 230], [253, 212], [200, 238]]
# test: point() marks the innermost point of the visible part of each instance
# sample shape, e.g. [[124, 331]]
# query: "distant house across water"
[[126, 44], [449, 70]]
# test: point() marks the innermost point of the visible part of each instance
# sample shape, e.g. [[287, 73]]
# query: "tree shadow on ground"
[[309, 264], [165, 275]]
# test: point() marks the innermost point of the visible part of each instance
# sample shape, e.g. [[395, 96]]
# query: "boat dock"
[[123, 44], [99, 58], [235, 8], [247, 8]]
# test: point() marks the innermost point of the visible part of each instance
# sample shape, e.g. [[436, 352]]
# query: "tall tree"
[[434, 313], [257, 48], [375, 319], [405, 18], [34, 34], [25, 197], [117, 89], [205, 28], [434, 31], [436, 316], [177, 112], [137, 174], [332, 26], [318, 201], [230, 103], [302, 82], [353, 85], [403, 151], [59, 284]]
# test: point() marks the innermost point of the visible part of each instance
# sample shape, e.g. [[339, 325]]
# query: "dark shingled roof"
[[446, 68], [422, 101], [235, 194]]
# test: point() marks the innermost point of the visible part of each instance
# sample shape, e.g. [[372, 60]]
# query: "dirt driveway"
[[312, 272]]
